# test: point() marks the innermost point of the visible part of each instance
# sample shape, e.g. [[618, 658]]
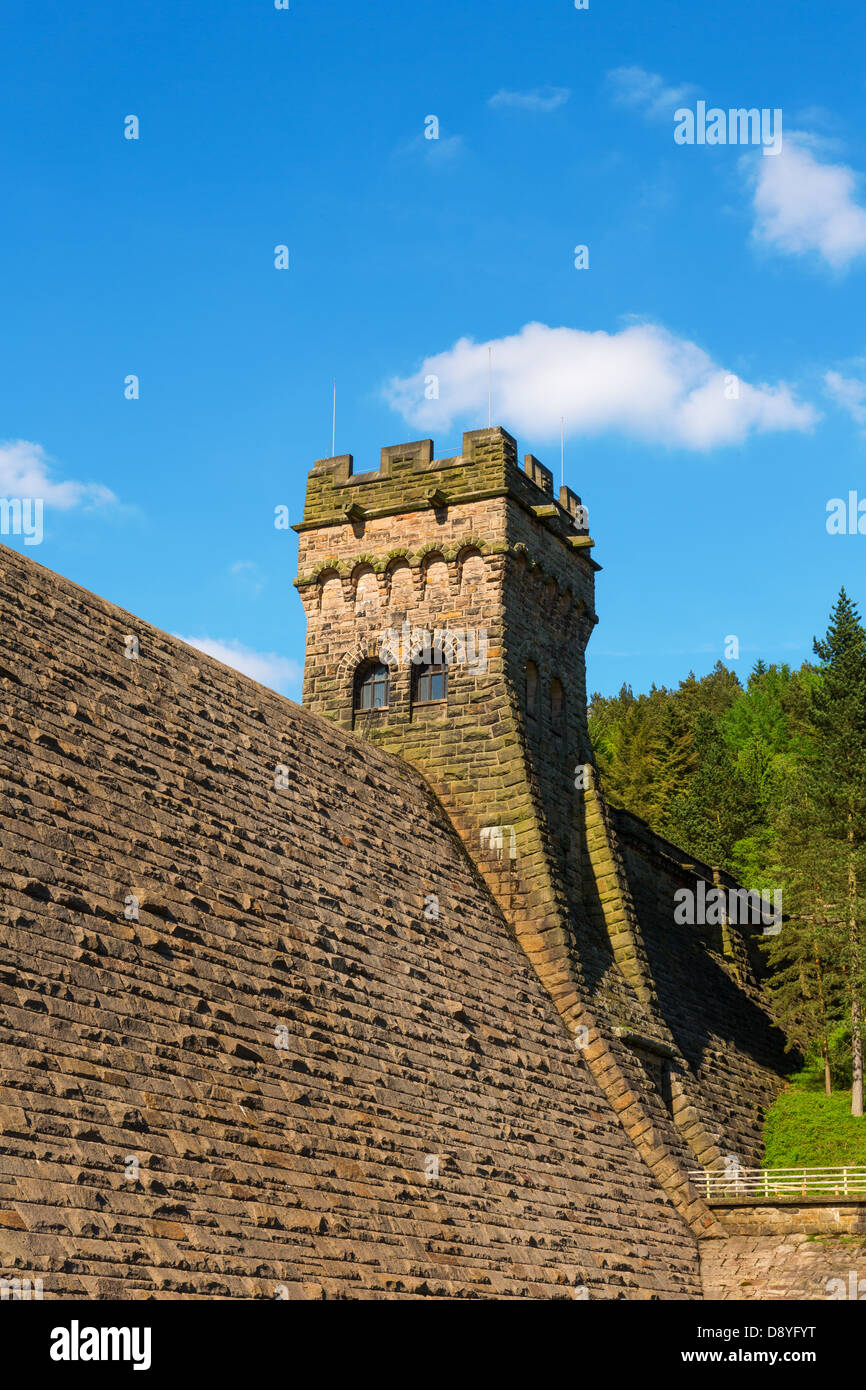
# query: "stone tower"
[[469, 567], [449, 603]]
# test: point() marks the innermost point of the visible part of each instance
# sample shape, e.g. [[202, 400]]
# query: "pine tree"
[[806, 988], [837, 778], [714, 810], [674, 760]]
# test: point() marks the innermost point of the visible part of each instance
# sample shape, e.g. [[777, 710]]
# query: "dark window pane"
[[430, 684], [372, 689]]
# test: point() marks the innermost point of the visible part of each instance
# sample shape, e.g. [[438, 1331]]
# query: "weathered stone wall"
[[268, 916], [826, 1217], [811, 1250], [776, 1267]]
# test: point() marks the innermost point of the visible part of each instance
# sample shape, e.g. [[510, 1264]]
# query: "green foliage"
[[716, 806], [768, 781], [805, 1127]]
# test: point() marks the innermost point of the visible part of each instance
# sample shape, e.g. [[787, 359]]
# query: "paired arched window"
[[531, 696], [431, 682], [372, 686]]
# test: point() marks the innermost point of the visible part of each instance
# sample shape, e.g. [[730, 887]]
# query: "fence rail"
[[780, 1182]]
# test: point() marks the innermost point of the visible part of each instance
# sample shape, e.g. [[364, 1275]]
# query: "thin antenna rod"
[[334, 422], [562, 449], [489, 387]]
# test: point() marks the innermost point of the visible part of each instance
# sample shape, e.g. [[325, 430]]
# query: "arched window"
[[372, 686], [557, 703], [531, 691], [431, 682]]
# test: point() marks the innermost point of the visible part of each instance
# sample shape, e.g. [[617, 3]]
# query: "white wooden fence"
[[780, 1182]]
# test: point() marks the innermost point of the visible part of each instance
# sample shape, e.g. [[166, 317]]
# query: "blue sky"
[[261, 127]]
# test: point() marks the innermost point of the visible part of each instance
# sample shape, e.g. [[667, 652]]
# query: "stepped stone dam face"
[[281, 1039], [373, 998]]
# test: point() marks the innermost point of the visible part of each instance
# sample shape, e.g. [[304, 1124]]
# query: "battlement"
[[409, 478]]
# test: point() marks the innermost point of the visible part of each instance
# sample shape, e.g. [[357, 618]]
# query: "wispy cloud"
[[27, 471], [539, 99], [247, 575], [642, 382], [646, 92], [803, 205], [277, 672], [849, 392], [437, 153]]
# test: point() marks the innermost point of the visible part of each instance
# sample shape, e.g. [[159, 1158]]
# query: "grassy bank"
[[805, 1127]]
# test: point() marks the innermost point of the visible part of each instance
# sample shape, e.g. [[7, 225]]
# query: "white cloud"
[[540, 99], [277, 672], [646, 91], [247, 576], [642, 382], [26, 471], [849, 392], [803, 206]]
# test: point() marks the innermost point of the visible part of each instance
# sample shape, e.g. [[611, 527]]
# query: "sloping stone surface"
[[282, 1041]]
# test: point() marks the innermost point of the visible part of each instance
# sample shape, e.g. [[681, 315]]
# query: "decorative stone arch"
[[371, 686], [399, 583], [361, 652], [365, 588], [435, 578], [471, 569], [329, 592]]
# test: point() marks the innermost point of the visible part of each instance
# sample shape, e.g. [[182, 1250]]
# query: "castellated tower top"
[[409, 478]]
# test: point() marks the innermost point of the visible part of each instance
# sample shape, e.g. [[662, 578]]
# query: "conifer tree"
[[836, 773], [714, 810]]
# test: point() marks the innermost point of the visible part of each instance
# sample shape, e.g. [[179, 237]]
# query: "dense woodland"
[[768, 780]]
